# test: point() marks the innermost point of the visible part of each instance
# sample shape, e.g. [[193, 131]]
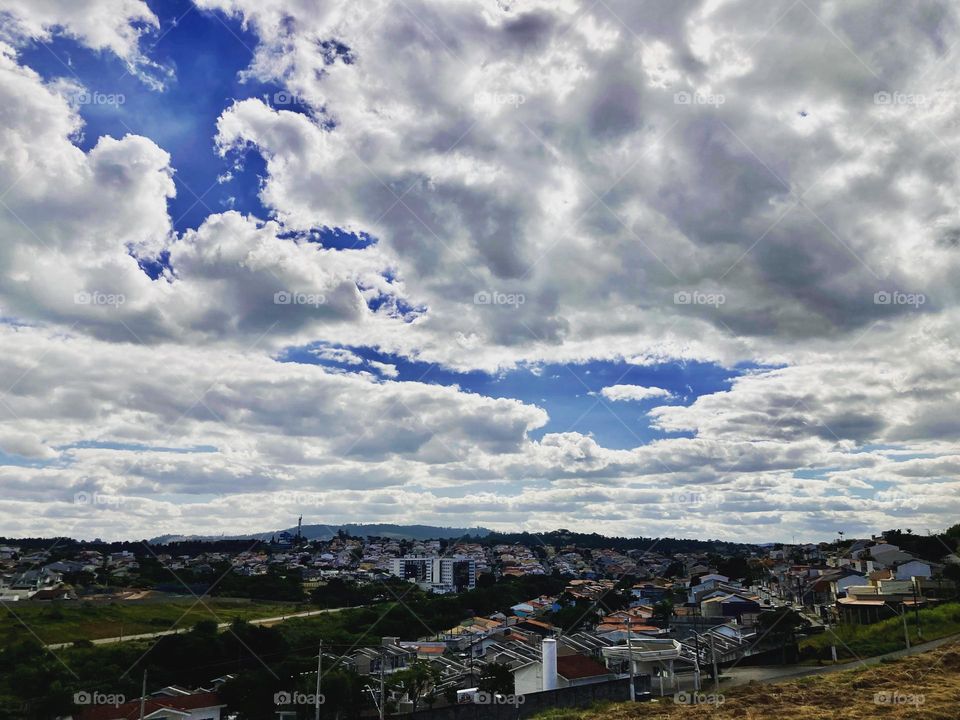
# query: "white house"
[[913, 568]]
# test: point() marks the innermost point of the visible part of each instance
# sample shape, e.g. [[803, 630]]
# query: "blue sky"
[[569, 393], [207, 53], [458, 151]]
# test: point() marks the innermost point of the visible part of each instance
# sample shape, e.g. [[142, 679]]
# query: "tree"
[[496, 679], [663, 612], [778, 628], [416, 680]]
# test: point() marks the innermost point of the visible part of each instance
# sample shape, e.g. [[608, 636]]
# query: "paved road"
[[743, 675], [222, 626]]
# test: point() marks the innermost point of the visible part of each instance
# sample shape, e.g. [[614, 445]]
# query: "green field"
[[70, 621], [862, 641]]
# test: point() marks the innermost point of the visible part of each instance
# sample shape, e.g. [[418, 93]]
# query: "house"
[[195, 706], [872, 550], [367, 660], [865, 604], [730, 605], [913, 568], [652, 658], [889, 558], [522, 610], [839, 585], [581, 670]]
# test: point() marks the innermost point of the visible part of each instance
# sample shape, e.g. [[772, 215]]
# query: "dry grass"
[[933, 678]]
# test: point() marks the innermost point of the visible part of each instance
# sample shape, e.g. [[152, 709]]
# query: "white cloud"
[[537, 152], [110, 25], [634, 392]]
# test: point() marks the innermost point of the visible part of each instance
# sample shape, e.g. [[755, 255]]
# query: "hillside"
[[920, 687], [326, 532]]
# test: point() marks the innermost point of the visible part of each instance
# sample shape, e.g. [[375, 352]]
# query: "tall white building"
[[438, 574]]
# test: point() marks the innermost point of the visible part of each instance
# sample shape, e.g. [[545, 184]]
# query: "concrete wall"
[[578, 696]]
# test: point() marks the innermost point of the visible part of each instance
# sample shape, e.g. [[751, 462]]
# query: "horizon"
[[333, 527], [635, 267]]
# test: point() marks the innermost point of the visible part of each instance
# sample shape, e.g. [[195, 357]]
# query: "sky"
[[636, 267]]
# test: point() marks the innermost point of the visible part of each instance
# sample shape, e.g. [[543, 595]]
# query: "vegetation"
[[920, 687], [664, 546], [863, 641], [62, 622], [36, 683]]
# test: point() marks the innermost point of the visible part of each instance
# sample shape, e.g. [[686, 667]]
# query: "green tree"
[[497, 679], [663, 612], [416, 680]]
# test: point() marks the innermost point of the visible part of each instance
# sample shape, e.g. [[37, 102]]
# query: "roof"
[[131, 710], [430, 650], [574, 667], [536, 623]]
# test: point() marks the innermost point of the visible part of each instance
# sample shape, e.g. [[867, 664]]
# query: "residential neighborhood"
[[661, 622]]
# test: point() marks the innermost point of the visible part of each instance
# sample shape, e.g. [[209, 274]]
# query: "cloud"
[[633, 392], [116, 27], [546, 184]]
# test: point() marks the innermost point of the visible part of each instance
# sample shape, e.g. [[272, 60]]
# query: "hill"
[[919, 687], [325, 532]]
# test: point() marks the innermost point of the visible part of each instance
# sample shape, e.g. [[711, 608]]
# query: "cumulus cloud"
[[115, 26], [732, 183], [633, 392]]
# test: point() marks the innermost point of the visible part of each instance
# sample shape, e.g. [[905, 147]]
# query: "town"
[[355, 626]]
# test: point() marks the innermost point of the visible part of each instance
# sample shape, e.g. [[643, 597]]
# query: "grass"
[[919, 687], [863, 641], [68, 622]]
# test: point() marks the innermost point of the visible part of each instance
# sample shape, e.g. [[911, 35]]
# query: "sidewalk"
[[743, 675]]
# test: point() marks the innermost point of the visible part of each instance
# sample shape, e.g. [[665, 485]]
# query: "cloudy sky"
[[681, 267]]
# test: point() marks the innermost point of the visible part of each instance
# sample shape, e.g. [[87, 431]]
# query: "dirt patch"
[[920, 687]]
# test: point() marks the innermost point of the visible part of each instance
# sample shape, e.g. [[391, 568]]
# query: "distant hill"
[[325, 532]]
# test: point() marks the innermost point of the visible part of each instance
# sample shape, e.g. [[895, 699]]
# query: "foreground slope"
[[920, 687]]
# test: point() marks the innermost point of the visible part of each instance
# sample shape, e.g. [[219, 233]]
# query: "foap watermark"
[[687, 98], [298, 698], [488, 698], [697, 498], [696, 297], [895, 297], [488, 99], [698, 698], [286, 98], [286, 297], [86, 97], [99, 298], [895, 697], [85, 697], [492, 297], [898, 98], [96, 498], [897, 499], [293, 497]]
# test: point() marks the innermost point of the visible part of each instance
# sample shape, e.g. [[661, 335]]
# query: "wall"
[[578, 696]]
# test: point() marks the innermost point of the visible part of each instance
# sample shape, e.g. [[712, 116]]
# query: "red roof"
[[573, 667], [131, 710]]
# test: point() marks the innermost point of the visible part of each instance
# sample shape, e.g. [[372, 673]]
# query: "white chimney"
[[549, 651]]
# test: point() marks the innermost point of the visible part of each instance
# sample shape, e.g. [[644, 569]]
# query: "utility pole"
[[906, 633], [143, 694], [316, 699], [916, 608], [716, 675], [633, 690], [383, 692]]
